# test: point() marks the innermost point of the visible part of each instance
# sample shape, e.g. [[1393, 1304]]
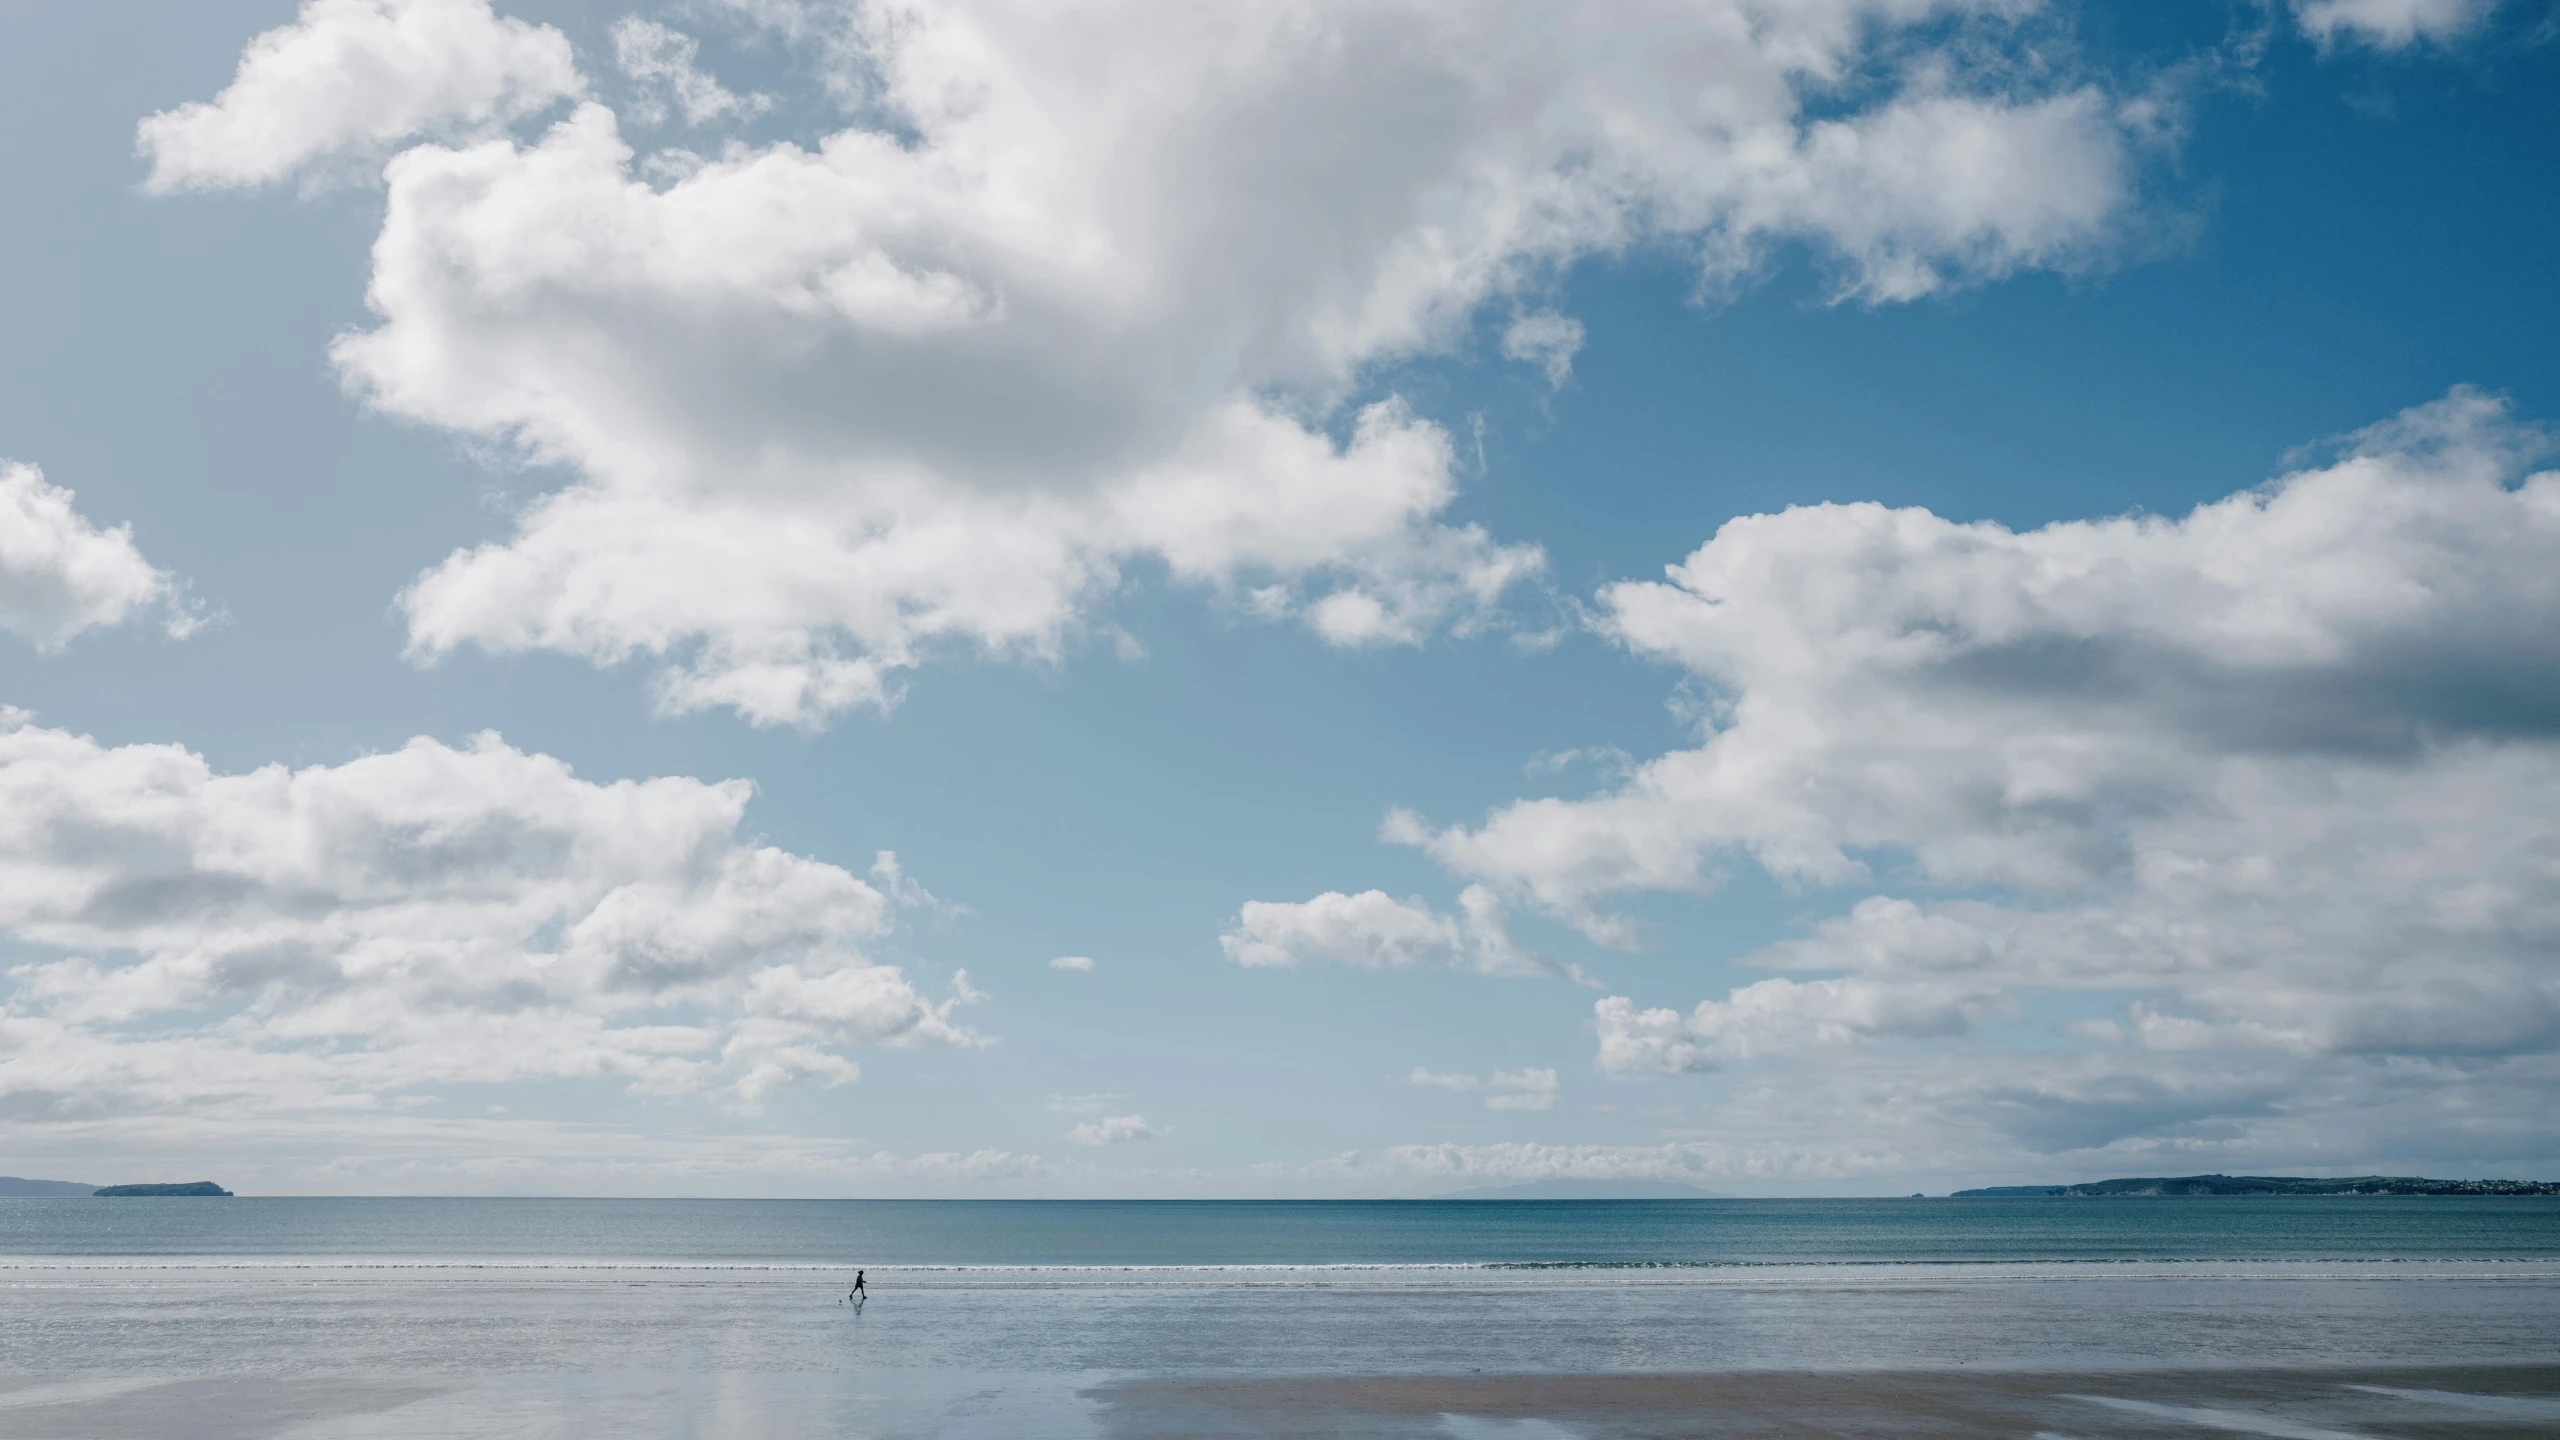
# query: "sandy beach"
[[2414, 1403], [2301, 1405], [451, 1329]]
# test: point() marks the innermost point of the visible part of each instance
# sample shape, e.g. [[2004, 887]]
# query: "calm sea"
[[1025, 1304], [1070, 1233]]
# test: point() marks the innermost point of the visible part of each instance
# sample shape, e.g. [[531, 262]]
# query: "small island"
[[2267, 1185], [195, 1187]]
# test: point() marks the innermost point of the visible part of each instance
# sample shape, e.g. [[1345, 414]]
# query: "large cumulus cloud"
[[2238, 828], [338, 937], [1093, 285]]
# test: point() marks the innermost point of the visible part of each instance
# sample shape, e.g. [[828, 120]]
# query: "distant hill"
[[2271, 1185], [193, 1187], [1586, 1190], [12, 1185]]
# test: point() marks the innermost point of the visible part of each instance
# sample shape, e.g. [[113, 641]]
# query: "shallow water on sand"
[[232, 1319], [718, 1318]]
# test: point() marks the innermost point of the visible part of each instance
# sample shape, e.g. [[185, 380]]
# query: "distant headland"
[[17, 1188], [2270, 1185]]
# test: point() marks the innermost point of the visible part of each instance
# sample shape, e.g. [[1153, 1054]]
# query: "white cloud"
[[1080, 964], [2004, 706], [402, 1152], [333, 938], [1080, 1104], [61, 575], [1523, 1089], [2271, 783], [1547, 340], [1903, 1121], [2390, 24], [660, 62], [1116, 1130], [352, 78], [1103, 289], [1375, 931], [1780, 1017], [907, 893], [1682, 1162]]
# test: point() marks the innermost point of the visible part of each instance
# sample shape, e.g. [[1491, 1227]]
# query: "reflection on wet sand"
[[2435, 1403], [2128, 1405]]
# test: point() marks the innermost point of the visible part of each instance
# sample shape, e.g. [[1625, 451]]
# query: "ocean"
[[384, 1317]]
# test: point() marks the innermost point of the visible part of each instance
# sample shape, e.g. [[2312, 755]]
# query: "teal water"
[[1282, 1233]]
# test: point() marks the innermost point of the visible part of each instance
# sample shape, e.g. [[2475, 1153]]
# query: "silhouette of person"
[[857, 1294]]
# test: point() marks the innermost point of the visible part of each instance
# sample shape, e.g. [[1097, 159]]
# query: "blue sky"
[[999, 483]]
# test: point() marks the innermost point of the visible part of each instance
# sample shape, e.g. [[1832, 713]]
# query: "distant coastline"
[[2266, 1185], [16, 1187]]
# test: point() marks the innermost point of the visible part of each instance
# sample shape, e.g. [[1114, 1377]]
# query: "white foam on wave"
[[2246, 1422], [74, 1392], [2521, 1407]]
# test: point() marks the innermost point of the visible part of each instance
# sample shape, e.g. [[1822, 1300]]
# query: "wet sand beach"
[[421, 1320], [2300, 1405], [2409, 1403]]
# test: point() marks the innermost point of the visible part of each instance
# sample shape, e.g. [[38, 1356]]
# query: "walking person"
[[857, 1294]]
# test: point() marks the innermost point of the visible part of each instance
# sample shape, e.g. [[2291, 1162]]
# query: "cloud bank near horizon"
[[2230, 832], [343, 940]]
